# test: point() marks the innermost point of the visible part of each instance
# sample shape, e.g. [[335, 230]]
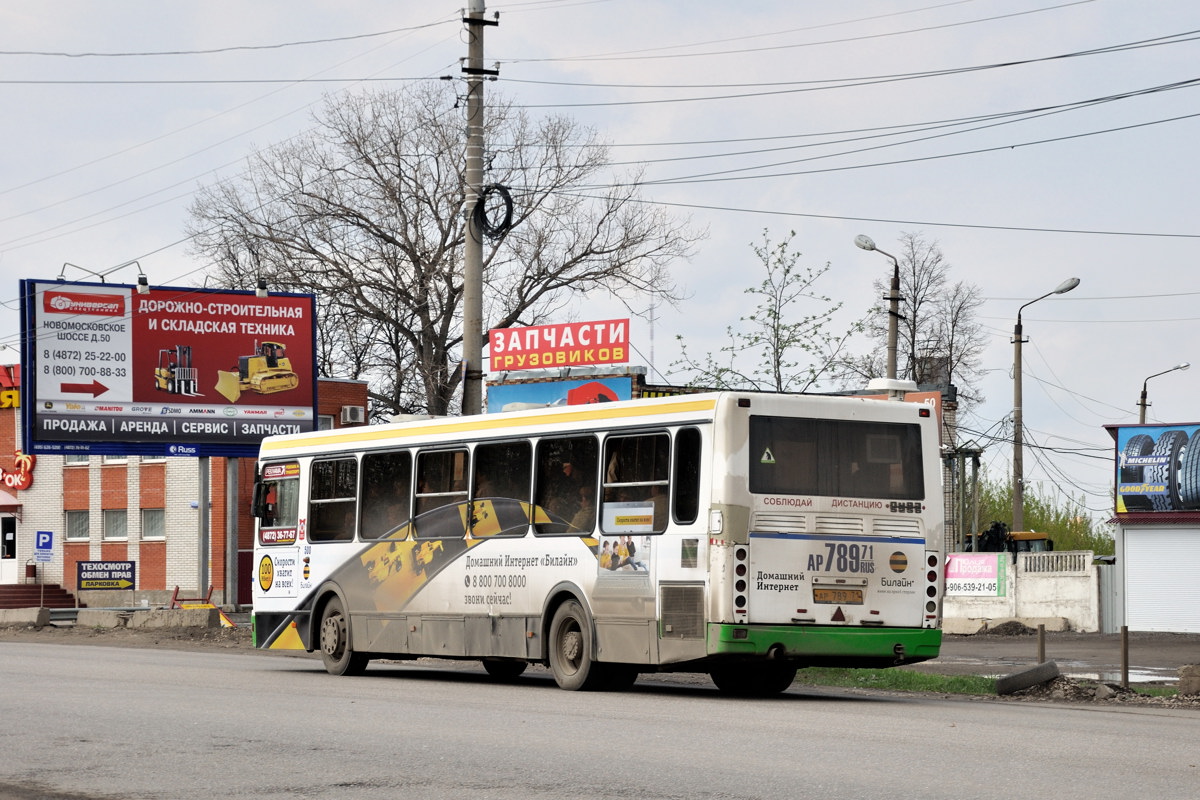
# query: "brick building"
[[137, 509]]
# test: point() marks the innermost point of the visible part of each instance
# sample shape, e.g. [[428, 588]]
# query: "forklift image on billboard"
[[175, 373]]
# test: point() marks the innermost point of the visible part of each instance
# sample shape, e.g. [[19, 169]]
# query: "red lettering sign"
[[566, 345]]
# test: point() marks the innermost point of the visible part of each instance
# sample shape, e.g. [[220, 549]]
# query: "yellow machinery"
[[998, 539], [267, 371], [1030, 542], [175, 373]]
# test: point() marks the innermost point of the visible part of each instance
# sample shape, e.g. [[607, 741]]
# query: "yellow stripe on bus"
[[486, 422]]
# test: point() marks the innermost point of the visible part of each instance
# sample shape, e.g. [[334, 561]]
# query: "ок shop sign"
[[21, 476], [568, 345]]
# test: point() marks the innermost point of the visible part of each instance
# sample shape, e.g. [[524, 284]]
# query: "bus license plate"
[[849, 597]]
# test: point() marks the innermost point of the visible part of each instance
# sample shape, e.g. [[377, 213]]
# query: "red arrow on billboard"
[[95, 388]]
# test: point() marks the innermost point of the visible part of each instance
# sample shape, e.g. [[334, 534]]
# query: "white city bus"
[[734, 533]]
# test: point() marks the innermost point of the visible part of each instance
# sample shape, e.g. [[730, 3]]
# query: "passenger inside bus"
[[584, 518]]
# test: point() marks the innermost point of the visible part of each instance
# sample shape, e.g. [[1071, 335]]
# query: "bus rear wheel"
[[753, 680], [505, 669], [571, 658], [336, 653]]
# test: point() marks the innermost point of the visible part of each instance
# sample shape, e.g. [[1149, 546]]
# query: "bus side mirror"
[[258, 503]]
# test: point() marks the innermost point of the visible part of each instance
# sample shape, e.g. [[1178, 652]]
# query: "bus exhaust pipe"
[[776, 652], [899, 651]]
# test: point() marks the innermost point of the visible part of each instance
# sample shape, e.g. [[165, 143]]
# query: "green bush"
[[1067, 523]]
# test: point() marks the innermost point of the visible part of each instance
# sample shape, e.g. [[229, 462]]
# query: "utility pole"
[[472, 341]]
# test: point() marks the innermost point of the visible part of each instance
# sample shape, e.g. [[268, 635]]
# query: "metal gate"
[[1112, 609]]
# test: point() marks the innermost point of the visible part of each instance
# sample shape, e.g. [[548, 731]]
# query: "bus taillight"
[[740, 556], [932, 588]]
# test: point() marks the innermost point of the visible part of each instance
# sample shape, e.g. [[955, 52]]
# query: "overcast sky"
[[830, 119]]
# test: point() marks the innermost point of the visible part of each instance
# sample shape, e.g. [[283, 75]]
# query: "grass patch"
[[905, 680], [1151, 690], [896, 680]]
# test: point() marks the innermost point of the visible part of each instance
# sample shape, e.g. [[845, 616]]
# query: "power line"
[[894, 221], [627, 56], [803, 86], [229, 49]]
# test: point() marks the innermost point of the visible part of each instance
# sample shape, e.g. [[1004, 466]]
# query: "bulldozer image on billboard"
[[267, 371]]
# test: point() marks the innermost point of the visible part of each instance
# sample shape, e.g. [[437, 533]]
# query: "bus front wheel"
[[571, 658], [338, 657], [753, 680]]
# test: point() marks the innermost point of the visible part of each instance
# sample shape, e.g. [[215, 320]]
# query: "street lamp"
[[1142, 403], [893, 298], [1018, 464]]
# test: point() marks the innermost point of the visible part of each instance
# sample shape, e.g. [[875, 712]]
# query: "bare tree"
[[939, 340], [784, 345], [367, 211]]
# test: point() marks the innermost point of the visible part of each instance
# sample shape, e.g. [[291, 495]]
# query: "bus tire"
[[753, 680], [336, 653], [619, 677], [572, 661], [504, 669]]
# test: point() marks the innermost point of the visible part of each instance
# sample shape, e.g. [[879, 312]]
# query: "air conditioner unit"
[[353, 414]]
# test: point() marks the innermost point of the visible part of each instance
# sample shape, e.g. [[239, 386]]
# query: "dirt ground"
[[994, 654], [238, 638]]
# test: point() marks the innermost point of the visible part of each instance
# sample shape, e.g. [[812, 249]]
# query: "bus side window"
[[500, 489], [567, 472], [386, 492], [687, 475], [333, 500], [636, 483], [441, 481]]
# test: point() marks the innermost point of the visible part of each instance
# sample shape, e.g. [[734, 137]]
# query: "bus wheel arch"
[[331, 636], [570, 643]]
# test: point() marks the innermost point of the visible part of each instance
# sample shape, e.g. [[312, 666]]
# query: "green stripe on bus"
[[824, 641]]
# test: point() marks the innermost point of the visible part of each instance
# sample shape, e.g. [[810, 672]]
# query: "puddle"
[[1135, 676]]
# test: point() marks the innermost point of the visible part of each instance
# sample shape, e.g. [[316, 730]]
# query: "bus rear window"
[[835, 458]]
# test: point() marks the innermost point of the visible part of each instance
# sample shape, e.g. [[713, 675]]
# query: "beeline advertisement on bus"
[[571, 344], [164, 371]]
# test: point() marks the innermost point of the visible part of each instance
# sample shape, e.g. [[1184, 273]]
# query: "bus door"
[[633, 511]]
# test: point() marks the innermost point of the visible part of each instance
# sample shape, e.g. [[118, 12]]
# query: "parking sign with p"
[[43, 546]]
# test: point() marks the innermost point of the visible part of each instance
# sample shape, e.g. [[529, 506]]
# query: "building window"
[[77, 524], [114, 458], [325, 422], [75, 458], [154, 523], [116, 523]]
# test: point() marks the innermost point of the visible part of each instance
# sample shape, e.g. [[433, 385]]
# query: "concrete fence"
[[1058, 590]]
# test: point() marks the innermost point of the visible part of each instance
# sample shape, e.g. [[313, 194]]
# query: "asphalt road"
[[105, 722]]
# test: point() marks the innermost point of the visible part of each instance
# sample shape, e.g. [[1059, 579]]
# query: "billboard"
[[550, 394], [977, 574], [1158, 468], [163, 371], [571, 344]]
